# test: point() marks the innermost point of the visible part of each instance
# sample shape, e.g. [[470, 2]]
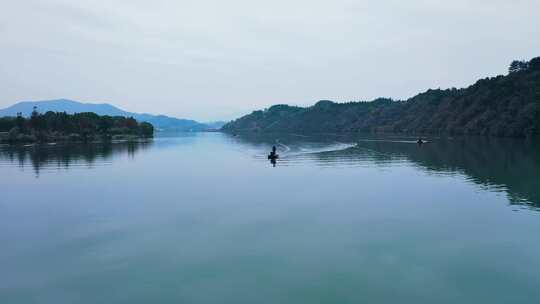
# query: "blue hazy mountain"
[[215, 125], [71, 106]]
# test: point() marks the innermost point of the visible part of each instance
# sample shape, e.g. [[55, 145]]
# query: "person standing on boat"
[[273, 156]]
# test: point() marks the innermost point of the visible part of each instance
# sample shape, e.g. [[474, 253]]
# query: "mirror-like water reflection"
[[57, 156], [208, 218]]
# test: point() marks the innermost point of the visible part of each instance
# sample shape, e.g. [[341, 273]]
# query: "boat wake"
[[287, 148], [338, 146], [286, 151], [393, 141]]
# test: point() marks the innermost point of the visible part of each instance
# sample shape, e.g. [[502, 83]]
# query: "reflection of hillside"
[[508, 165], [66, 155], [505, 164]]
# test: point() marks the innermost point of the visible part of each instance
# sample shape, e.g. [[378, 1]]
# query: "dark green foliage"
[[534, 64], [7, 123], [146, 129], [517, 66], [79, 126], [506, 106]]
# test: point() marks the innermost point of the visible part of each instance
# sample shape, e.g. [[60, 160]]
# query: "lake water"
[[206, 218]]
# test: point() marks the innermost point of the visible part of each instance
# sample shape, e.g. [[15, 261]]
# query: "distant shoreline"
[[72, 138]]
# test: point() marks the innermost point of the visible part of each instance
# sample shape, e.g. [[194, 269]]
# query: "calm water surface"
[[205, 218]]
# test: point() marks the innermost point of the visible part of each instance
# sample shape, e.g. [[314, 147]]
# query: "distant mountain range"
[[70, 106], [505, 106]]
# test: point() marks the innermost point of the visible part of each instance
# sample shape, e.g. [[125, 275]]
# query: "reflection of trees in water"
[[506, 165], [66, 155], [511, 166]]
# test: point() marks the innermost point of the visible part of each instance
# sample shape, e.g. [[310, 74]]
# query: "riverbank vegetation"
[[60, 126]]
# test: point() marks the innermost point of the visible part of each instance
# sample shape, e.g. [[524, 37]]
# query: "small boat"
[[273, 155]]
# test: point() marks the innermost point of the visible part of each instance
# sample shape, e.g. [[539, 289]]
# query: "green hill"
[[505, 106]]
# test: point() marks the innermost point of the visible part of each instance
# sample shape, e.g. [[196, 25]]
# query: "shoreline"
[[72, 138]]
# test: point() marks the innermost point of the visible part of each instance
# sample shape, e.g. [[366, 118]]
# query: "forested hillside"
[[506, 106]]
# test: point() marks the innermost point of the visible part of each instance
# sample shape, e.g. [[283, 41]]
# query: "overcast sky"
[[210, 60]]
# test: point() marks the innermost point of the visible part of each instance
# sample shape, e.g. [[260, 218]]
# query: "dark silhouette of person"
[[273, 156]]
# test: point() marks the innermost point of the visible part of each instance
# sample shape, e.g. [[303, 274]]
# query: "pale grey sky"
[[209, 60]]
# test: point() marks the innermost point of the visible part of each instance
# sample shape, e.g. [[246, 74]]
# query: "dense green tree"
[[6, 123], [84, 126], [19, 121], [34, 120], [146, 129], [517, 66]]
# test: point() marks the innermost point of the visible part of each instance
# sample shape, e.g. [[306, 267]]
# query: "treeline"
[[55, 126], [504, 106]]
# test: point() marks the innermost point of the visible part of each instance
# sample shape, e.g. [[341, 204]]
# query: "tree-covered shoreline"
[[502, 106], [79, 127]]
